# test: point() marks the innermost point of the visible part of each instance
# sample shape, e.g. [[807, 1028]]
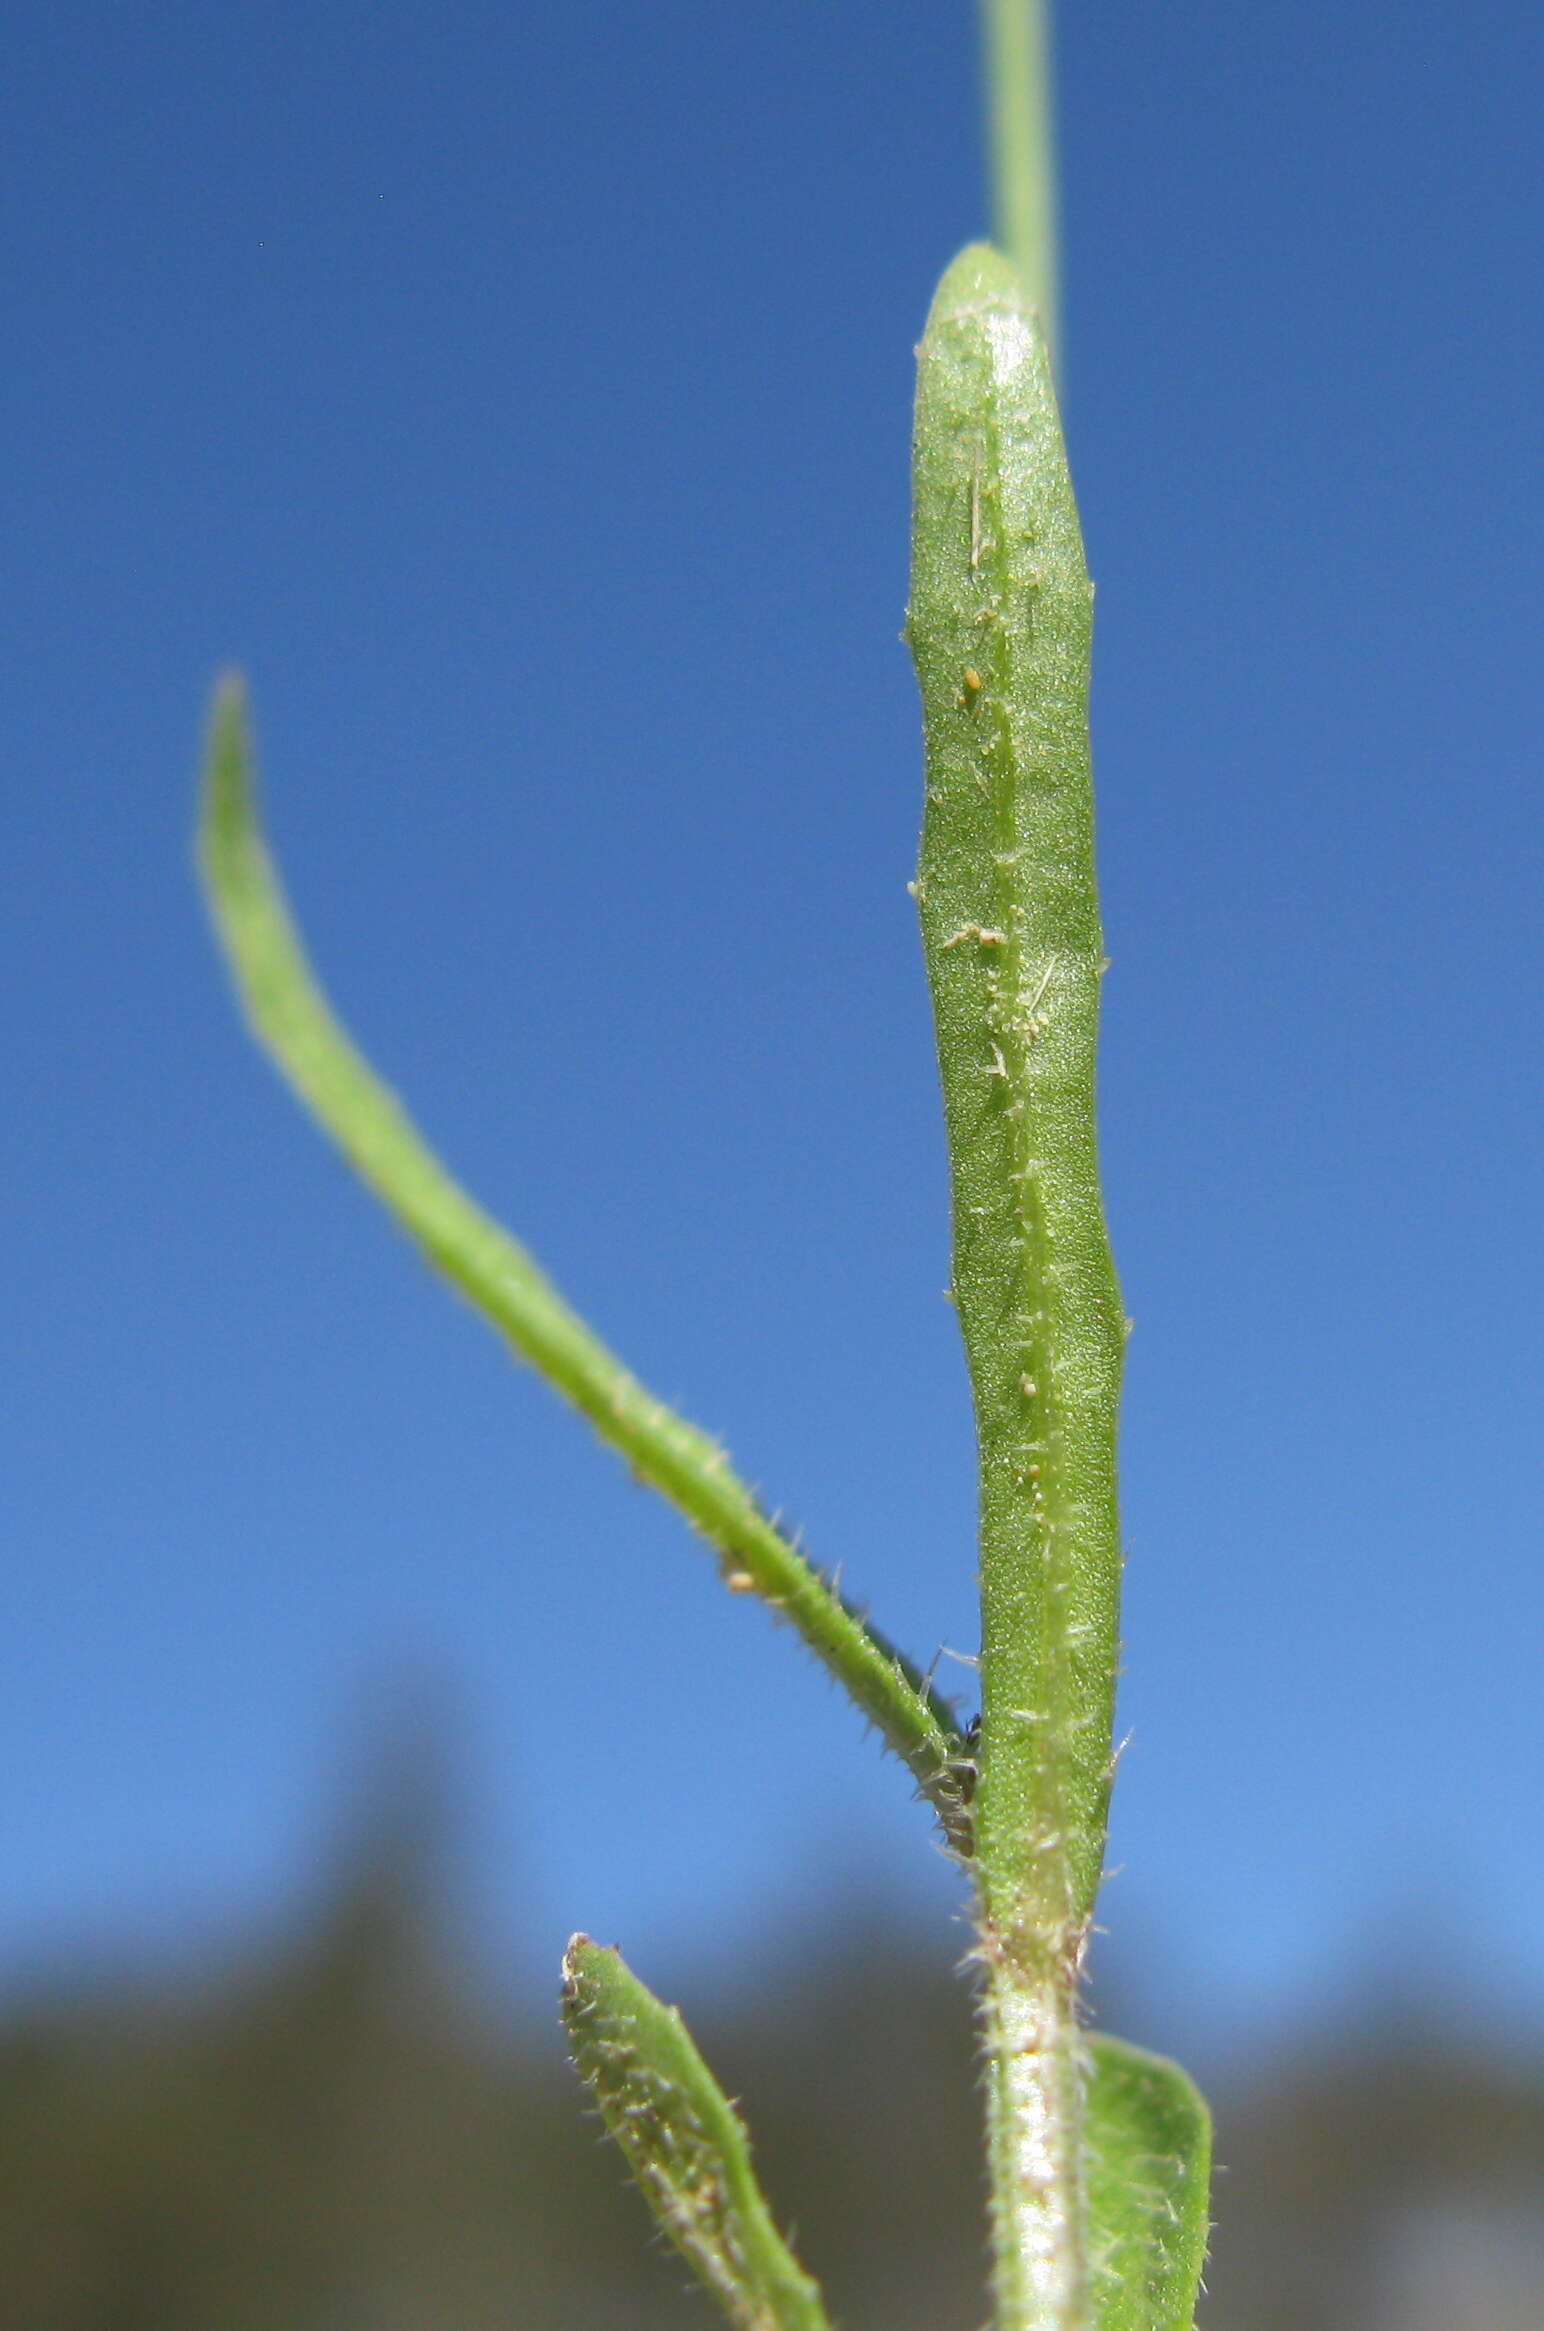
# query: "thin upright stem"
[[1016, 57]]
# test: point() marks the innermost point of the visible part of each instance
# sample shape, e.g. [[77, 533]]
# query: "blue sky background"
[[521, 395]]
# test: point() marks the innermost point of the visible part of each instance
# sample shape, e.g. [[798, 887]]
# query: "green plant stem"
[[1000, 621], [1016, 44], [291, 1017]]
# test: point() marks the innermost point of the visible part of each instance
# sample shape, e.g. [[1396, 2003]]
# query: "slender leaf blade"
[[292, 1019], [1000, 623], [684, 2142]]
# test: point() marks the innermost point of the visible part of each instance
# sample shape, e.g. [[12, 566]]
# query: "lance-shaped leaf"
[[684, 2142], [1149, 2149], [1000, 627], [292, 1018]]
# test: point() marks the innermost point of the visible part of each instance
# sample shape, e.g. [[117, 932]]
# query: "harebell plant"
[[1098, 2152]]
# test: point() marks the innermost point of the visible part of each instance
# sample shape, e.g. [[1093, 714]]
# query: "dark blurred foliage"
[[340, 2136]]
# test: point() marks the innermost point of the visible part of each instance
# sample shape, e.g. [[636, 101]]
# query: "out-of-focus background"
[[521, 396]]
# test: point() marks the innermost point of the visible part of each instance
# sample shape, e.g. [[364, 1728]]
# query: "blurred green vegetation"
[[339, 2134]]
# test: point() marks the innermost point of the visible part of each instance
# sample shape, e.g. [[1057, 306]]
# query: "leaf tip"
[[225, 797], [577, 1964], [978, 277]]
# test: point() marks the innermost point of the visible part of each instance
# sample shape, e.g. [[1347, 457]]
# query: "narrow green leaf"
[[292, 1018], [1149, 2140], [684, 2142], [1000, 622]]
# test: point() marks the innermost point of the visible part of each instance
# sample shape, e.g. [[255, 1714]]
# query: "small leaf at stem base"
[[1149, 2140], [684, 2142]]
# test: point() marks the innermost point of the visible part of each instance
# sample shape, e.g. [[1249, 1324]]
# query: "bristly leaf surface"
[[1148, 2136], [684, 2142]]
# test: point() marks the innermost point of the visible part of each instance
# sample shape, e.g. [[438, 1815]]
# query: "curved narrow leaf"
[[292, 1018], [1149, 2140], [683, 2140]]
